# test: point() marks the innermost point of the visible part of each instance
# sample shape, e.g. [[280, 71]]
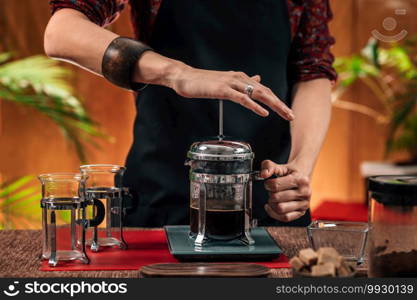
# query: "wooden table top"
[[20, 253]]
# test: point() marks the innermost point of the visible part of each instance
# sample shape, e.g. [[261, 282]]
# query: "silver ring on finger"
[[249, 90]]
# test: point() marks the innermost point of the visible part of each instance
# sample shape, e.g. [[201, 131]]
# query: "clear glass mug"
[[104, 191], [63, 217]]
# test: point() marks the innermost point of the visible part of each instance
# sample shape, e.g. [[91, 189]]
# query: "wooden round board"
[[204, 270]]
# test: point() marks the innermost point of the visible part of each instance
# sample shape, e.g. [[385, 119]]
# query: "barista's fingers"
[[244, 76], [304, 187], [287, 217], [285, 196], [303, 182], [282, 183], [286, 207], [257, 78], [303, 193], [289, 195], [266, 96], [269, 168], [243, 80], [240, 85], [292, 181], [245, 101], [240, 81]]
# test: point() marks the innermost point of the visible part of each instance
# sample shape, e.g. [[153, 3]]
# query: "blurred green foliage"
[[20, 204], [42, 84], [390, 73]]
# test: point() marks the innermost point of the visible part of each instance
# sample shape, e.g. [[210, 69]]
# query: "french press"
[[221, 191], [104, 194], [63, 218]]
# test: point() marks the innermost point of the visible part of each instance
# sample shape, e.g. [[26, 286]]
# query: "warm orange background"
[[31, 144]]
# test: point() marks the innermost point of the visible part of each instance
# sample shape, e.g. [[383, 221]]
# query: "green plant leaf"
[[5, 57], [371, 52], [407, 138], [41, 83], [19, 204], [27, 202], [12, 187], [390, 73], [19, 195], [352, 68]]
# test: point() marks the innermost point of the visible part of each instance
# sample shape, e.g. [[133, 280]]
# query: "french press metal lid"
[[220, 157], [222, 150]]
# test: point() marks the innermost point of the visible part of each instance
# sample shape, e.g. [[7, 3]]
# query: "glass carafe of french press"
[[63, 218], [220, 191], [104, 186]]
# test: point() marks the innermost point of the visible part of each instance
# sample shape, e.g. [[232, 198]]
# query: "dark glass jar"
[[393, 226]]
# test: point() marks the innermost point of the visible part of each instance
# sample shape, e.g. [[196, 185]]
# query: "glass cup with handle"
[[63, 218], [104, 190]]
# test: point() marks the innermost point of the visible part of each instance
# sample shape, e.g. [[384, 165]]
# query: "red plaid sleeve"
[[310, 56], [101, 12]]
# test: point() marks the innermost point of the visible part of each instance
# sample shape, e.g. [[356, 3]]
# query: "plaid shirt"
[[310, 55]]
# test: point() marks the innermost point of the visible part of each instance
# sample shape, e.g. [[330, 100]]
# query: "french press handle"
[[99, 215], [256, 176]]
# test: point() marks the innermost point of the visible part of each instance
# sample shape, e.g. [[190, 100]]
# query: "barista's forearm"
[[312, 110], [72, 37]]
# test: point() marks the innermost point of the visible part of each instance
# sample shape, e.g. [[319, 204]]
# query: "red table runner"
[[337, 211], [145, 247]]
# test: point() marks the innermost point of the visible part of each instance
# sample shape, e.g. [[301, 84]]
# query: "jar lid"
[[224, 150], [396, 187]]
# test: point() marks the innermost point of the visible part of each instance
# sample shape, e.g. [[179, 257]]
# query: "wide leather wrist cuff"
[[119, 61]]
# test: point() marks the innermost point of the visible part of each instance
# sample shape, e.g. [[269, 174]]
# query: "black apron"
[[252, 36]]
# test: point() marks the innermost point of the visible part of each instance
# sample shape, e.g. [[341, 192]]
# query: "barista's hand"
[[289, 194], [198, 83]]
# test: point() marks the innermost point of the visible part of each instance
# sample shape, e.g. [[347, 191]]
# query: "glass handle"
[[126, 202], [100, 213]]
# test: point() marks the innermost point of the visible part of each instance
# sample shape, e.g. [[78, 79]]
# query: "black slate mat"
[[181, 246]]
